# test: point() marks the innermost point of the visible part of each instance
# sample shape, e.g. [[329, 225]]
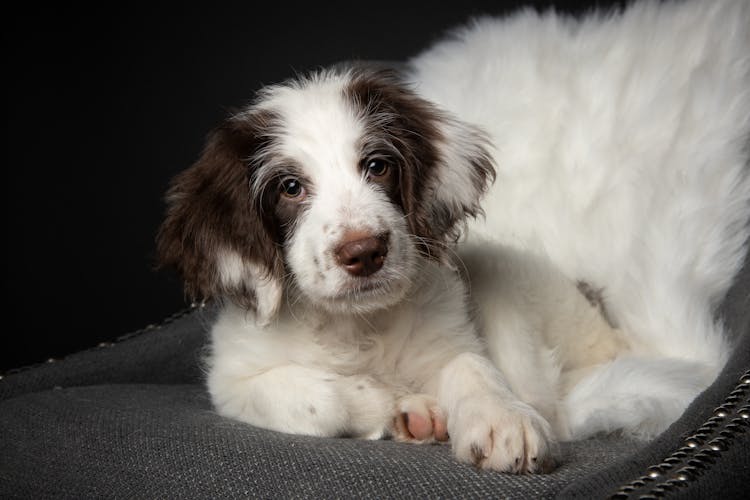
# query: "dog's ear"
[[214, 233], [440, 195], [445, 166]]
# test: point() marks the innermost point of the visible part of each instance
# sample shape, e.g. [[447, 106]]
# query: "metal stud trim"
[[699, 451], [102, 345]]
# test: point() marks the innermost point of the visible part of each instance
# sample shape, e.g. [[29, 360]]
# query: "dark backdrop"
[[104, 105]]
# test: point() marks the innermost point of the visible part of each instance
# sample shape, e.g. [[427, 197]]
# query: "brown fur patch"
[[210, 208]]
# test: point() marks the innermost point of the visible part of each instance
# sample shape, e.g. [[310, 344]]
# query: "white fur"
[[343, 201], [233, 271], [619, 143]]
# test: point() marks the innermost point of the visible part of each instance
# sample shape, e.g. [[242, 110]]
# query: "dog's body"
[[325, 216]]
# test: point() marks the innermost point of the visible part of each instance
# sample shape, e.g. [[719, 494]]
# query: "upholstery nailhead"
[[699, 450]]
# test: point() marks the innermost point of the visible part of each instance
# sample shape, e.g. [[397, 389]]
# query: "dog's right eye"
[[376, 167], [292, 188]]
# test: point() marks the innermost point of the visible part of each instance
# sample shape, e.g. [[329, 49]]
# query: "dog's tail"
[[639, 395]]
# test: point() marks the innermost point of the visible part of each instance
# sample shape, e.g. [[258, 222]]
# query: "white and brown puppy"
[[324, 214], [325, 218]]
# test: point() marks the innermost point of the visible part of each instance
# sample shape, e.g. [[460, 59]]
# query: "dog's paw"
[[492, 434], [419, 419]]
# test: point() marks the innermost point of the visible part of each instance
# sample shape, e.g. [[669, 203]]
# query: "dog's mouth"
[[364, 287], [369, 293]]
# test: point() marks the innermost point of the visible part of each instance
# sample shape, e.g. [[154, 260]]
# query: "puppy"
[[327, 218], [324, 215]]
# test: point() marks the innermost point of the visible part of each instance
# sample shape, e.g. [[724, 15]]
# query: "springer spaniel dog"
[[366, 289], [325, 215]]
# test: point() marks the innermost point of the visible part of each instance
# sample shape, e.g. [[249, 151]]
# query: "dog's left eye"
[[376, 167]]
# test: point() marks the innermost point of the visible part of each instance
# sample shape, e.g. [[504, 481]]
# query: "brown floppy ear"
[[445, 166], [213, 233]]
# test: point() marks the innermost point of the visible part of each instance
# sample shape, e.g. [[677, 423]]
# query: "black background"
[[104, 105]]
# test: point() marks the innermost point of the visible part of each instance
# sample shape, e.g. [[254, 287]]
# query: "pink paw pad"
[[420, 422]]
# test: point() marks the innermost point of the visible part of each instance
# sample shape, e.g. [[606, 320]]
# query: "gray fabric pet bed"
[[132, 419]]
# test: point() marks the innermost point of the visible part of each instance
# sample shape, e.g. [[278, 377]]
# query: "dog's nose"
[[362, 256]]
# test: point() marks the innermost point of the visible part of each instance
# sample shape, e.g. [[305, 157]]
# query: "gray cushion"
[[147, 440], [132, 419]]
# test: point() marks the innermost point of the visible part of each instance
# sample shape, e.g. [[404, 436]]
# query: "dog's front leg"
[[303, 400], [488, 425]]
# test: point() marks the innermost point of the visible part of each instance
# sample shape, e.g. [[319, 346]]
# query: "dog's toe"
[[419, 419]]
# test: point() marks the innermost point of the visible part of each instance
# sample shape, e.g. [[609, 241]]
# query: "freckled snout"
[[362, 254]]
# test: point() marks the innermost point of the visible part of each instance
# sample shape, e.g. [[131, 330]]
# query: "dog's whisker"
[[452, 251], [369, 324]]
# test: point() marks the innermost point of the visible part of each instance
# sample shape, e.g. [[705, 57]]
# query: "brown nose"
[[362, 256]]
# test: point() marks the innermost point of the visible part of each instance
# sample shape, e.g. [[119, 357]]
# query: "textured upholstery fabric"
[[147, 440], [168, 353]]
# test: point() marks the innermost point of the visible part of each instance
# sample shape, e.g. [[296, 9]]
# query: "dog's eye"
[[291, 187], [376, 167]]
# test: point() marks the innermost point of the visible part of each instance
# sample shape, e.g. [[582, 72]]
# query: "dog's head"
[[336, 184]]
